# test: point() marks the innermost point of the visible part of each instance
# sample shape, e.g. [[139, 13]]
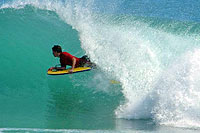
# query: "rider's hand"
[[50, 69], [71, 70]]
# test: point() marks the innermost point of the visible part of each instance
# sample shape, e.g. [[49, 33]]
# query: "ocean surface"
[[151, 49]]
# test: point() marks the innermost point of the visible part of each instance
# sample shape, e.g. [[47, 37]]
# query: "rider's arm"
[[73, 64]]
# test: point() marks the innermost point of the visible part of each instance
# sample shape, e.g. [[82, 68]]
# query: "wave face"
[[154, 56], [32, 99]]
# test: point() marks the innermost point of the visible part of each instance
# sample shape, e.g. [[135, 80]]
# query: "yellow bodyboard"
[[66, 71]]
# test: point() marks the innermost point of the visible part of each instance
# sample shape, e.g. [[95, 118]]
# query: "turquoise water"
[[155, 58]]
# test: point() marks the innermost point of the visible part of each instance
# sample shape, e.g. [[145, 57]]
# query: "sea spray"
[[178, 92]]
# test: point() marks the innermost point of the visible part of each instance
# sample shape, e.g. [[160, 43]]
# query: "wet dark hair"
[[57, 48]]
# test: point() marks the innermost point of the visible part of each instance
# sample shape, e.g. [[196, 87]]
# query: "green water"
[[29, 98]]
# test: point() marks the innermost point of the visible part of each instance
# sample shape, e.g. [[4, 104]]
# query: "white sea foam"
[[56, 130], [178, 92]]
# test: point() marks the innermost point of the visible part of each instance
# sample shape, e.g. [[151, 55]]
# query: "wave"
[[155, 59]]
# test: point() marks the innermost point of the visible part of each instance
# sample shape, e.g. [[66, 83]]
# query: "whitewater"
[[151, 48]]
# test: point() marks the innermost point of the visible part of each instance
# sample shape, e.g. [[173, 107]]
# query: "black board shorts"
[[84, 60]]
